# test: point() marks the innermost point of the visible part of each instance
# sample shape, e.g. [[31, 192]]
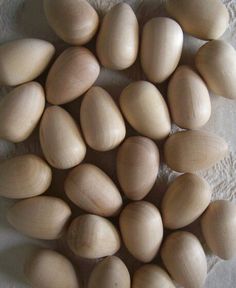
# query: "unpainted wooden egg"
[[200, 18], [60, 138], [101, 120], [161, 48], [137, 166], [141, 229], [111, 272], [42, 217], [185, 200], [49, 269], [189, 99], [118, 38], [191, 151], [91, 236], [185, 260], [216, 62], [23, 60], [71, 75], [24, 176], [219, 228], [75, 22], [93, 191], [145, 109]]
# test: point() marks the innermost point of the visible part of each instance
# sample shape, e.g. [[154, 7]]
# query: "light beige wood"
[[42, 217], [90, 236], [161, 48], [213, 58], [137, 166], [191, 151], [101, 121], [185, 200], [60, 139], [200, 18], [219, 228], [93, 191], [24, 60], [151, 276], [185, 259], [24, 176], [118, 38], [145, 109], [20, 111], [71, 75], [141, 229], [49, 269], [189, 99], [75, 22], [110, 273]]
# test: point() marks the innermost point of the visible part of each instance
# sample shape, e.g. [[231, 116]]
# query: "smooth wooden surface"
[[219, 228], [191, 151], [110, 272], [151, 276], [118, 38], [145, 109], [161, 48], [24, 176], [76, 22], [93, 190], [24, 60], [42, 217], [90, 236], [71, 75], [141, 229], [60, 138], [49, 269], [185, 200], [20, 111], [189, 99], [216, 62], [200, 18], [137, 166], [101, 120], [185, 260]]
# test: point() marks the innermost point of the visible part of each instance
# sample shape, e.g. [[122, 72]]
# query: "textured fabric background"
[[25, 18]]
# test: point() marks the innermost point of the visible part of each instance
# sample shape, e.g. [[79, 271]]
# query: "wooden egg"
[[101, 121], [42, 217], [71, 75], [141, 229], [60, 139], [118, 38], [137, 166], [92, 237], [49, 269], [214, 58], [200, 18], [108, 273], [185, 260], [20, 111], [161, 48], [24, 176], [189, 99], [145, 109], [75, 22], [191, 151], [185, 200], [219, 228], [24, 60], [93, 191], [151, 276]]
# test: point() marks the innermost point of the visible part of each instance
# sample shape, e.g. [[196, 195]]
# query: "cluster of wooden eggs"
[[141, 224]]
